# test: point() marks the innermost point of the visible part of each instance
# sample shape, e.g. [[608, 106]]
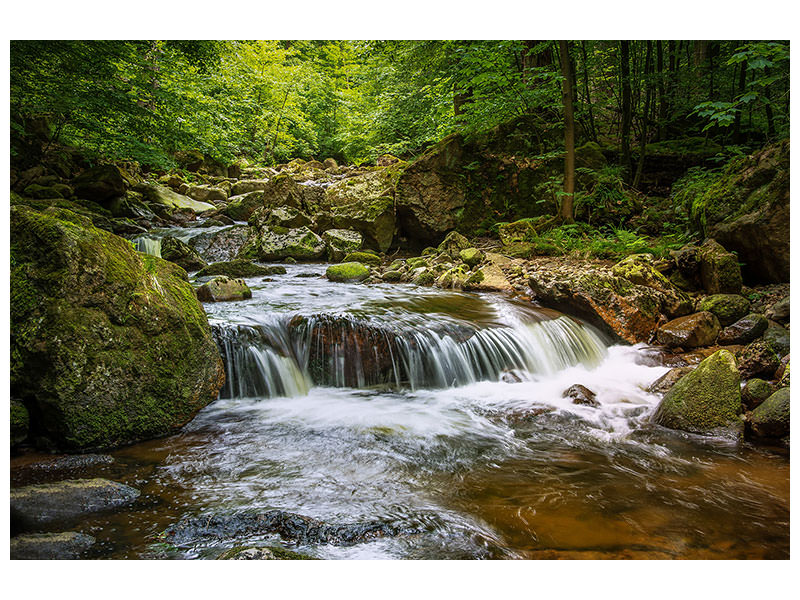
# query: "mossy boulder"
[[488, 278], [452, 244], [108, 346], [691, 331], [453, 278], [169, 200], [207, 193], [771, 418], [423, 276], [366, 258], [280, 216], [224, 289], [181, 253], [277, 243], [347, 272], [755, 392], [758, 359], [640, 269], [728, 308], [19, 422], [242, 206], [373, 219], [222, 245], [341, 242], [392, 276], [705, 401], [67, 545], [246, 186], [719, 269], [102, 183], [743, 331], [240, 268], [471, 256], [35, 190]]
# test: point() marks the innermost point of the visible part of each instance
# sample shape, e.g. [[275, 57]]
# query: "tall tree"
[[627, 115], [569, 133]]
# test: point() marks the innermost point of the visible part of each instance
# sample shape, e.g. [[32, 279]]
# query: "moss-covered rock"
[[102, 183], [241, 207], [423, 276], [691, 331], [262, 552], [224, 289], [392, 276], [19, 422], [639, 269], [755, 392], [771, 418], [719, 269], [181, 253], [366, 258], [207, 193], [108, 345], [488, 278], [170, 200], [453, 278], [705, 401], [222, 245], [758, 359], [67, 545], [281, 216], [743, 331], [347, 272], [778, 339], [240, 268], [471, 256], [374, 220], [341, 242], [416, 262], [246, 186], [728, 308], [452, 244], [277, 243], [35, 190]]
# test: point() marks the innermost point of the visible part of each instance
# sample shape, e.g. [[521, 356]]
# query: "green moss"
[[476, 278], [471, 256], [426, 277], [366, 258], [347, 272], [771, 417], [392, 276], [417, 262], [728, 308], [240, 268]]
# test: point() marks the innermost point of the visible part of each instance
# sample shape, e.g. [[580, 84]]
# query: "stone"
[[728, 308], [780, 310], [771, 418], [224, 289], [758, 359], [191, 160], [128, 348], [329, 163], [489, 278], [392, 276], [340, 242], [246, 186], [518, 231], [240, 268], [640, 269], [778, 339], [664, 383], [68, 545], [222, 245], [705, 401], [452, 244], [755, 392], [699, 329], [35, 190], [181, 253], [471, 256], [34, 506], [101, 183], [19, 422], [364, 204], [170, 200], [262, 552], [282, 216], [743, 331], [242, 207], [347, 272], [366, 258], [277, 243], [580, 394], [719, 269], [206, 193]]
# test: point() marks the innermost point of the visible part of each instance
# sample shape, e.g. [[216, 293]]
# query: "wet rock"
[[247, 186], [347, 272], [277, 243], [206, 193], [19, 422], [472, 257], [743, 331], [782, 374], [392, 276], [755, 392], [170, 201], [183, 255], [366, 258], [240, 268], [581, 395], [341, 242], [699, 329], [778, 339], [120, 332], [758, 359], [34, 506], [281, 216], [771, 418], [664, 383], [705, 401], [262, 553], [728, 308], [640, 269], [242, 207], [224, 289], [512, 376], [69, 545], [719, 269], [290, 526], [780, 310], [220, 246]]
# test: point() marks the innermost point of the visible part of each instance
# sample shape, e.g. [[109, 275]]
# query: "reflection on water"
[[486, 469]]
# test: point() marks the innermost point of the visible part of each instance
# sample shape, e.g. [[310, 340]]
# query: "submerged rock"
[[36, 505], [69, 545], [262, 553], [110, 346], [580, 394], [705, 401]]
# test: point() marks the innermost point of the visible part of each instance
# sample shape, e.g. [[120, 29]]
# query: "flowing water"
[[443, 411]]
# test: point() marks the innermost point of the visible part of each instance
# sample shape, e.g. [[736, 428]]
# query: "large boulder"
[[640, 270], [771, 418], [102, 183], [169, 200], [241, 207], [224, 289], [758, 359], [706, 400], [746, 209], [246, 186], [280, 216], [68, 545], [278, 243], [108, 346], [719, 269], [743, 331], [728, 308], [341, 242], [240, 268], [221, 245], [181, 253], [691, 331], [207, 193], [33, 506]]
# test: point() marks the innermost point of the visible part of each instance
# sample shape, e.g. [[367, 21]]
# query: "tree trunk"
[[569, 133], [662, 105], [587, 97], [643, 133], [624, 73], [737, 123], [768, 109]]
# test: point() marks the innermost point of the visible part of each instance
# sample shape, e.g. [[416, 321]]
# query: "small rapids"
[[442, 414]]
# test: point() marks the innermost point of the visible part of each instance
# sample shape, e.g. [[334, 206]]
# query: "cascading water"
[[148, 245]]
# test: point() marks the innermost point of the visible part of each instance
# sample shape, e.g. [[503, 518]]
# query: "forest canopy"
[[355, 100]]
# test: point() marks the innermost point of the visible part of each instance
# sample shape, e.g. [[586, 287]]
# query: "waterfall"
[[288, 356], [148, 245]]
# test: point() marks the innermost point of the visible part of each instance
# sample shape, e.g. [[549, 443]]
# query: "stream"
[[441, 411]]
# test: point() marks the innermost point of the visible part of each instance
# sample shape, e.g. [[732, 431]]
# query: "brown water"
[[484, 469]]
